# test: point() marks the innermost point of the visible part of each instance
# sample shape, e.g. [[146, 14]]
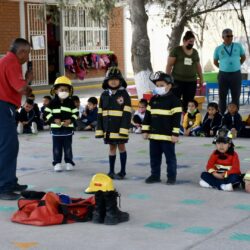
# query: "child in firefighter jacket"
[[113, 121], [161, 126], [223, 167], [61, 114]]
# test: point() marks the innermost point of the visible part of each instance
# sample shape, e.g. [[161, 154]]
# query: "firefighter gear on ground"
[[100, 182]]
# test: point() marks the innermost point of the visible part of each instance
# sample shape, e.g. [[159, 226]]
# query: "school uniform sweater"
[[114, 115], [232, 121], [162, 118], [192, 120], [211, 123]]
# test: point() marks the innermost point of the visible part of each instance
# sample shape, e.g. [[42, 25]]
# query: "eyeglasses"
[[229, 36]]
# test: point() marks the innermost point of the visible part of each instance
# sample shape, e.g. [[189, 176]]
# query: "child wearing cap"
[[223, 167], [61, 114], [161, 126], [113, 120]]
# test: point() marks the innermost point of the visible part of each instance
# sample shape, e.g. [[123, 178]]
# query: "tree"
[[180, 12], [140, 47]]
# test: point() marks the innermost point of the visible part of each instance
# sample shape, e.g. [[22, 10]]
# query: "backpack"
[[51, 211]]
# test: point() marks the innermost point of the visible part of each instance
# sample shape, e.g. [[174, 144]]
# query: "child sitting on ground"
[[27, 119], [223, 167], [78, 105], [212, 120], [139, 116], [46, 101], [232, 120], [88, 119], [192, 120]]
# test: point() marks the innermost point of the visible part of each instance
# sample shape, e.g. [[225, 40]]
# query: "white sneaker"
[[204, 184], [227, 187], [69, 167], [20, 128], [58, 167], [34, 128]]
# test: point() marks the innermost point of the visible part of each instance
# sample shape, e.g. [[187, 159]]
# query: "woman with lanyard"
[[184, 65], [228, 57]]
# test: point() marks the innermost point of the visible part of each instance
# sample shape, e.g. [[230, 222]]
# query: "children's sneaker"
[[69, 167], [204, 184], [227, 187], [34, 128], [58, 167]]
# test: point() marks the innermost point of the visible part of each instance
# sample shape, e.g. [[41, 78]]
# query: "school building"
[[64, 41]]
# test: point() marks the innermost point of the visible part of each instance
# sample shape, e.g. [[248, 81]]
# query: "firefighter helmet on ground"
[[114, 73], [100, 182], [161, 76], [62, 80]]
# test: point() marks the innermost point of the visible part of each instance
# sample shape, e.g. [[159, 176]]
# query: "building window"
[[82, 33]]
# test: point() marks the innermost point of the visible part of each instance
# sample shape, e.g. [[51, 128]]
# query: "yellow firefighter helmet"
[[100, 182], [62, 80]]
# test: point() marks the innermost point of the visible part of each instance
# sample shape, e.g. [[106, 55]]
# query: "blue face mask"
[[159, 91]]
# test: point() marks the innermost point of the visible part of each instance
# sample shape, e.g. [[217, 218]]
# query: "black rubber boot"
[[113, 214], [100, 209]]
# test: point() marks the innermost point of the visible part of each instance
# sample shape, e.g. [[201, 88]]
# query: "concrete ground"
[[183, 216]]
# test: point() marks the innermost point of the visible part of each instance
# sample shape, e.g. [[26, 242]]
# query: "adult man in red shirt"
[[12, 87]]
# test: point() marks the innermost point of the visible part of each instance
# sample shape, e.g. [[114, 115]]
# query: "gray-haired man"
[[228, 57]]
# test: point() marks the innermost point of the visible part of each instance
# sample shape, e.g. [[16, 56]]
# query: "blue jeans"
[[9, 147], [60, 144], [216, 183], [157, 148]]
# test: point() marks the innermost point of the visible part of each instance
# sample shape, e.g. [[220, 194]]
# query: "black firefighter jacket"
[[114, 115], [162, 118]]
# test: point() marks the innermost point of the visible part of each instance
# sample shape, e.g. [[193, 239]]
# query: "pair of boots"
[[106, 210]]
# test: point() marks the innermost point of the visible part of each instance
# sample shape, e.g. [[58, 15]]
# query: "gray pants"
[[232, 81]]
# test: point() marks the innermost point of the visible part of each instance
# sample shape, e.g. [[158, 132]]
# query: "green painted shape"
[[139, 196], [245, 207], [142, 152], [179, 154], [83, 137], [240, 237], [158, 225], [56, 189], [192, 202], [198, 230], [246, 159], [30, 186], [207, 145], [7, 209]]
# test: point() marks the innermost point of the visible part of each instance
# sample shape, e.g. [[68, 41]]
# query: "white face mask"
[[63, 95], [160, 90]]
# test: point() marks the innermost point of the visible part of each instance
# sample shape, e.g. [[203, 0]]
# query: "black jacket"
[[63, 110], [114, 115], [232, 121], [211, 124], [162, 118]]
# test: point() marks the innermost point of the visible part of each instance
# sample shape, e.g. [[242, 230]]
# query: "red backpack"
[[50, 211]]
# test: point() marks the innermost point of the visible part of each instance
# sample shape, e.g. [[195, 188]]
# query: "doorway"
[[53, 42]]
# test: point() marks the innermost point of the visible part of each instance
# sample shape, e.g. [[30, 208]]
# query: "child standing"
[[139, 115], [232, 120], [161, 126], [223, 167], [61, 114], [192, 119], [114, 116], [212, 120]]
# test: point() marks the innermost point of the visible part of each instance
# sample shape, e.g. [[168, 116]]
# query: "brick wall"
[[9, 24], [116, 35]]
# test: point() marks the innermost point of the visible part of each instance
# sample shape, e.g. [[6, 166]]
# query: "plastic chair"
[[211, 90], [245, 90]]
